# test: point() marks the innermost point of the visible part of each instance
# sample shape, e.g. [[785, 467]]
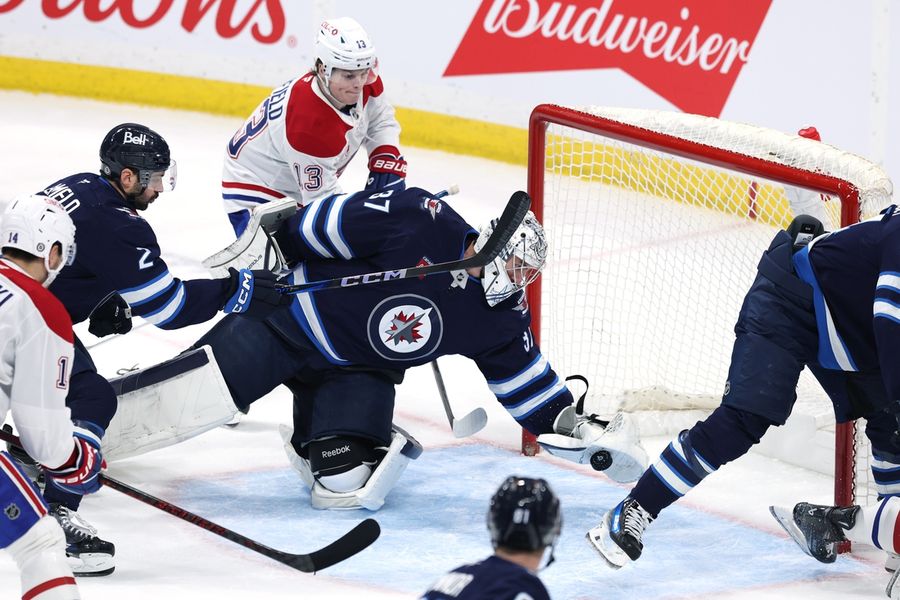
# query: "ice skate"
[[89, 556], [815, 528], [618, 536]]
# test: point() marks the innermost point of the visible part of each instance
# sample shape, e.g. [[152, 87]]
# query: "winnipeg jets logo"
[[129, 211], [405, 328], [433, 206]]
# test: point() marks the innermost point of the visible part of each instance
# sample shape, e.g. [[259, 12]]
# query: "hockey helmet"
[[524, 515], [33, 224], [518, 264], [342, 43], [139, 148]]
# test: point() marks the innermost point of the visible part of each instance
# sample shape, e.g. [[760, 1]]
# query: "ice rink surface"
[[718, 542]]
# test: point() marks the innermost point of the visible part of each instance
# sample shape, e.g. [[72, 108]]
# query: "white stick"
[[470, 424]]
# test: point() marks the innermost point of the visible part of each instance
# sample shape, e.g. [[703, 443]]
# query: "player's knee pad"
[[374, 480], [41, 557]]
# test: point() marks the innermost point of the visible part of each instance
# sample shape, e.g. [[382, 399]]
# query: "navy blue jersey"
[[491, 579], [117, 251], [855, 275], [404, 323]]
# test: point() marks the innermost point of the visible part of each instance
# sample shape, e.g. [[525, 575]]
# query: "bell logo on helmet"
[[130, 138]]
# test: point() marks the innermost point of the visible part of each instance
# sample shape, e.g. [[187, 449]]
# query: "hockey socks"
[[679, 468]]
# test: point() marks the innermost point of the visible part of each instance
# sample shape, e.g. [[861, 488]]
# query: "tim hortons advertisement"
[[690, 52], [263, 19]]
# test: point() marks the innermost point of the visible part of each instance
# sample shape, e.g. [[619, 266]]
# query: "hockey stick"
[[470, 424], [352, 542], [509, 221]]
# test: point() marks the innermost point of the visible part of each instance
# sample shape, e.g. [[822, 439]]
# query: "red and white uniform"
[[296, 144], [35, 364]]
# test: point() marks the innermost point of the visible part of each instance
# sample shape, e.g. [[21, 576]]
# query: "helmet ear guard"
[[33, 224], [518, 264]]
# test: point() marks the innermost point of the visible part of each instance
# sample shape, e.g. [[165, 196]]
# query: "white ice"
[[718, 542]]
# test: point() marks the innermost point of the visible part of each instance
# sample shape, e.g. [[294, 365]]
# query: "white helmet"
[[33, 224], [518, 264], [342, 43]]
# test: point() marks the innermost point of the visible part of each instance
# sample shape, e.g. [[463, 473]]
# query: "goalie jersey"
[[118, 251], [409, 322], [855, 276], [296, 144]]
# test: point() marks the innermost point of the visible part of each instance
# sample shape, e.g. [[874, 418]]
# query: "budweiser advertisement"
[[690, 52]]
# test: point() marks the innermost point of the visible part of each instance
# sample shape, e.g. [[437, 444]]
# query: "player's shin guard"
[[372, 494], [43, 568]]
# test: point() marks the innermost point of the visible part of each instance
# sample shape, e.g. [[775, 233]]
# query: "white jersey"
[[35, 363], [296, 144]]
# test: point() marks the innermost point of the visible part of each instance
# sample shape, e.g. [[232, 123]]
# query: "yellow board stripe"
[[420, 128]]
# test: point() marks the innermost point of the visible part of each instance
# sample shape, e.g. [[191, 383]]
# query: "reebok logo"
[[690, 52], [130, 138], [336, 451]]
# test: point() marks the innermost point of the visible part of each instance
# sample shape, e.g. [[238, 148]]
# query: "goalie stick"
[[509, 221], [349, 544], [468, 425]]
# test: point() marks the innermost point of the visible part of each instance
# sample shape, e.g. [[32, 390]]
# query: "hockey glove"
[[111, 315], [81, 473], [252, 294], [387, 169], [612, 447]]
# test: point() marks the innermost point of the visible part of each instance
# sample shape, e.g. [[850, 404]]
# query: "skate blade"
[[599, 539], [785, 518], [91, 565]]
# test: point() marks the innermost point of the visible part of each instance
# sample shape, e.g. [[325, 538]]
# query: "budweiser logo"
[[689, 52], [265, 18]]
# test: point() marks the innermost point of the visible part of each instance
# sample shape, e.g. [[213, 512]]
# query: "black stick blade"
[[513, 215], [354, 541]]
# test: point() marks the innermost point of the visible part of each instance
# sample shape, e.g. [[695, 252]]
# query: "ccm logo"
[[245, 291]]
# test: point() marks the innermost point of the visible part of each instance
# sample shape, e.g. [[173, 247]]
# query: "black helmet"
[[134, 147], [524, 515]]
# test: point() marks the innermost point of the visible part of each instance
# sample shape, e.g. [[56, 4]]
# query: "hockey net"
[[656, 222]]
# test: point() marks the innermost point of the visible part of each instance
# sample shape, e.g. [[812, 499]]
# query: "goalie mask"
[[33, 224], [342, 43], [524, 515], [518, 264]]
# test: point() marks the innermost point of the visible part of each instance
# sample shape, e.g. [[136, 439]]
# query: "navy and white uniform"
[[117, 252], [491, 579], [387, 326], [834, 306]]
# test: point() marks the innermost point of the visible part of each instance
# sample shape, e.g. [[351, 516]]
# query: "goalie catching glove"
[[81, 473], [387, 169], [609, 446]]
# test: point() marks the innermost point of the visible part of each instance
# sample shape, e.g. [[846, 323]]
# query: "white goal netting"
[[656, 223]]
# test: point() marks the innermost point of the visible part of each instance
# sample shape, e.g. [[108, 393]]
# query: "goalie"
[[342, 351]]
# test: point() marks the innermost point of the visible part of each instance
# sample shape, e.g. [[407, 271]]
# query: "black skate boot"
[[618, 537], [89, 556], [817, 529]]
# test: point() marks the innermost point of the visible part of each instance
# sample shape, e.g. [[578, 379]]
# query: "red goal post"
[[666, 172]]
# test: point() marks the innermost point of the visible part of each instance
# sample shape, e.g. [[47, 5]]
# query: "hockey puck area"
[[601, 460]]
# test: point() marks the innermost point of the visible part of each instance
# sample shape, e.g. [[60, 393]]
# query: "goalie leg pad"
[[372, 494], [255, 248], [168, 403]]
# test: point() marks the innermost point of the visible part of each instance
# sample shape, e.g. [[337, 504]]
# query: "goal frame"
[[545, 114]]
